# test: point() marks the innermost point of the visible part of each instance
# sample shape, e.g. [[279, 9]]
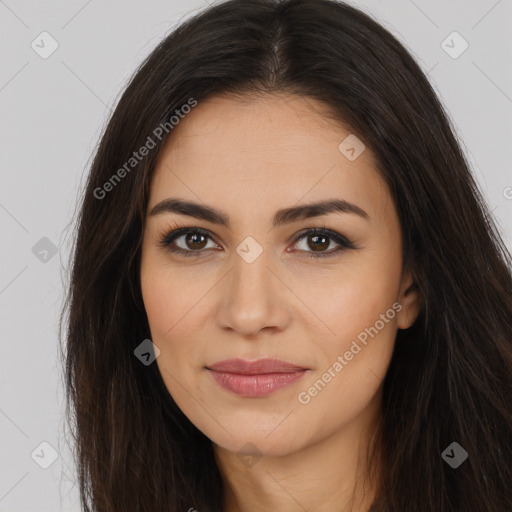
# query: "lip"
[[255, 378], [260, 366]]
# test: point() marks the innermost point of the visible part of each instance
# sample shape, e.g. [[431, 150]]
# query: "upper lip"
[[261, 366]]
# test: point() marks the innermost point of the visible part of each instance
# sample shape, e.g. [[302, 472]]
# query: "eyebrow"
[[284, 216]]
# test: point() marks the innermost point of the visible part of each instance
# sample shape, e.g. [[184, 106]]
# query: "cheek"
[[355, 362], [352, 299], [169, 306], [360, 310], [168, 297], [162, 306], [175, 311]]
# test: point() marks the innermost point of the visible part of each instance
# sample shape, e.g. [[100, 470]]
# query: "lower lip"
[[255, 385]]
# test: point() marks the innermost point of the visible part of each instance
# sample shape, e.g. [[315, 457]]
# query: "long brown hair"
[[450, 378]]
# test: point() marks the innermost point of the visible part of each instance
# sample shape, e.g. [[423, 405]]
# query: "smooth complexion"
[[250, 158]]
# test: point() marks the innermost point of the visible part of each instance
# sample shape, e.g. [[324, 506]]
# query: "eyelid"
[[172, 233], [169, 235], [343, 242]]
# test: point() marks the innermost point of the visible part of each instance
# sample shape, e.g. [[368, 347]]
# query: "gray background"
[[52, 112]]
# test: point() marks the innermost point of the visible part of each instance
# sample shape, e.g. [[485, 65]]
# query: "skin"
[[249, 158]]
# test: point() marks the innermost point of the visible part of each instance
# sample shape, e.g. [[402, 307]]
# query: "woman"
[[287, 292]]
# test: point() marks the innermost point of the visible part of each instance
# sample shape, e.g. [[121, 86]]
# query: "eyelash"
[[167, 237]]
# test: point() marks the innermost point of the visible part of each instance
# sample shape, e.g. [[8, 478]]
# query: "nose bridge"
[[251, 298], [251, 276]]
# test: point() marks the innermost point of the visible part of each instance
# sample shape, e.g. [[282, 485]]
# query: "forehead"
[[271, 151]]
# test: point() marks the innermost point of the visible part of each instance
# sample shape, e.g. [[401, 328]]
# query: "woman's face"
[[255, 284]]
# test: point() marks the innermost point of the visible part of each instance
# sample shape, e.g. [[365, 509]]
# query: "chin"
[[250, 438], [259, 445]]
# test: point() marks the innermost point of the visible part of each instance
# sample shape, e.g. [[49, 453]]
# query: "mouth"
[[255, 378]]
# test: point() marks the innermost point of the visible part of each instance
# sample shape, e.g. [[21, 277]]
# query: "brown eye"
[[195, 240], [318, 242], [315, 243], [187, 241]]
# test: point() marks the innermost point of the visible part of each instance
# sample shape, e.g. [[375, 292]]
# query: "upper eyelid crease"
[[284, 216]]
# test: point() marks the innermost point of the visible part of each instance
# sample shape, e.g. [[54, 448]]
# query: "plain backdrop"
[[52, 111]]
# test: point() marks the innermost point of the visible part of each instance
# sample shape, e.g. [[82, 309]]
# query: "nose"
[[253, 297]]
